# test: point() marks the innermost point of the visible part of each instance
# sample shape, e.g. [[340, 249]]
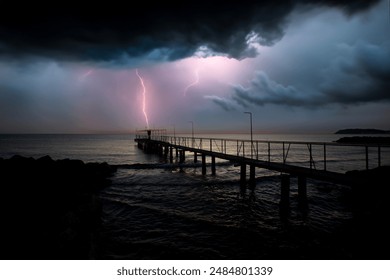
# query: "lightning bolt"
[[85, 75], [144, 98], [193, 83]]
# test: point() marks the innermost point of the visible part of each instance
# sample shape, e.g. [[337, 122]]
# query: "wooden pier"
[[310, 159]]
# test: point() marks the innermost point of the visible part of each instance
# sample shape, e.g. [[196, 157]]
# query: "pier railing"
[[327, 156]]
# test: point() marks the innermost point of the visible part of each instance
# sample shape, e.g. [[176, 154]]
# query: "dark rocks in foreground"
[[371, 209], [50, 209], [372, 188], [364, 140]]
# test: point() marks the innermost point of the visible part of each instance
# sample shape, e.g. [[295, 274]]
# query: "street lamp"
[[250, 115], [174, 133], [192, 126]]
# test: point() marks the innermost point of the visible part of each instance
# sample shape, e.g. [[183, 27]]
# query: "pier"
[[325, 161]]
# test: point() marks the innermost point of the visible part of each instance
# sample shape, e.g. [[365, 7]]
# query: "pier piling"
[[285, 190], [170, 154], [302, 195], [252, 177], [166, 151], [182, 156], [243, 176], [203, 164], [212, 165], [302, 189]]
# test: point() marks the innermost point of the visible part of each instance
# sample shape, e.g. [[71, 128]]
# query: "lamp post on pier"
[[192, 130], [250, 115], [174, 133]]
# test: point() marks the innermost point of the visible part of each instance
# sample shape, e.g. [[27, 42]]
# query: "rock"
[[36, 199]]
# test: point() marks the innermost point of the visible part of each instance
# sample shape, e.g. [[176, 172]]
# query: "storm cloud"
[[321, 64], [72, 70], [226, 104], [160, 31], [359, 74]]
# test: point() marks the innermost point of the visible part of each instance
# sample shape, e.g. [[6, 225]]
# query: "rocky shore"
[[50, 208]]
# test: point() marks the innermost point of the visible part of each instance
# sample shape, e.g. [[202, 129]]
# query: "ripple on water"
[[161, 213]]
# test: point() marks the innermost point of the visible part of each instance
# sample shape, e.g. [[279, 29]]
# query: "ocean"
[[154, 210]]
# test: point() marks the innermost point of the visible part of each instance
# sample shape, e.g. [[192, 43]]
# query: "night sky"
[[298, 66]]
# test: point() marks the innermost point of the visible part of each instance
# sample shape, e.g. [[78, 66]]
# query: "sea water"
[[163, 211]]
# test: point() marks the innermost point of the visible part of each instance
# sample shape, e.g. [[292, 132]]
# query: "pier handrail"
[[260, 149]]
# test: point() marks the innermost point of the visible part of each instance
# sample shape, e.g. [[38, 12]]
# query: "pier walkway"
[[326, 161]]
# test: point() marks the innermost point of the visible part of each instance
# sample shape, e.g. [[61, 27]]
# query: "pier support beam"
[[302, 189], [302, 194], [243, 176], [203, 164], [182, 156], [195, 157], [252, 177], [170, 154], [177, 152], [212, 165], [166, 151], [285, 191], [160, 149]]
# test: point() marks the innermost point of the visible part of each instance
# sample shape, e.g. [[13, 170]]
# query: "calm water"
[[164, 212]]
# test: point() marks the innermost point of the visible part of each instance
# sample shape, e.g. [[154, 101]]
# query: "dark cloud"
[[358, 74], [349, 7], [224, 103], [162, 30], [264, 90]]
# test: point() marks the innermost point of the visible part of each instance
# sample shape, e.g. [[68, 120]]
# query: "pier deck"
[[321, 161], [329, 176]]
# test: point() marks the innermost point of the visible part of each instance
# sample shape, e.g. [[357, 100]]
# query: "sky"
[[299, 66]]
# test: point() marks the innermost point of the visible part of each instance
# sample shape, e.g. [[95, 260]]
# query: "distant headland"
[[362, 131]]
